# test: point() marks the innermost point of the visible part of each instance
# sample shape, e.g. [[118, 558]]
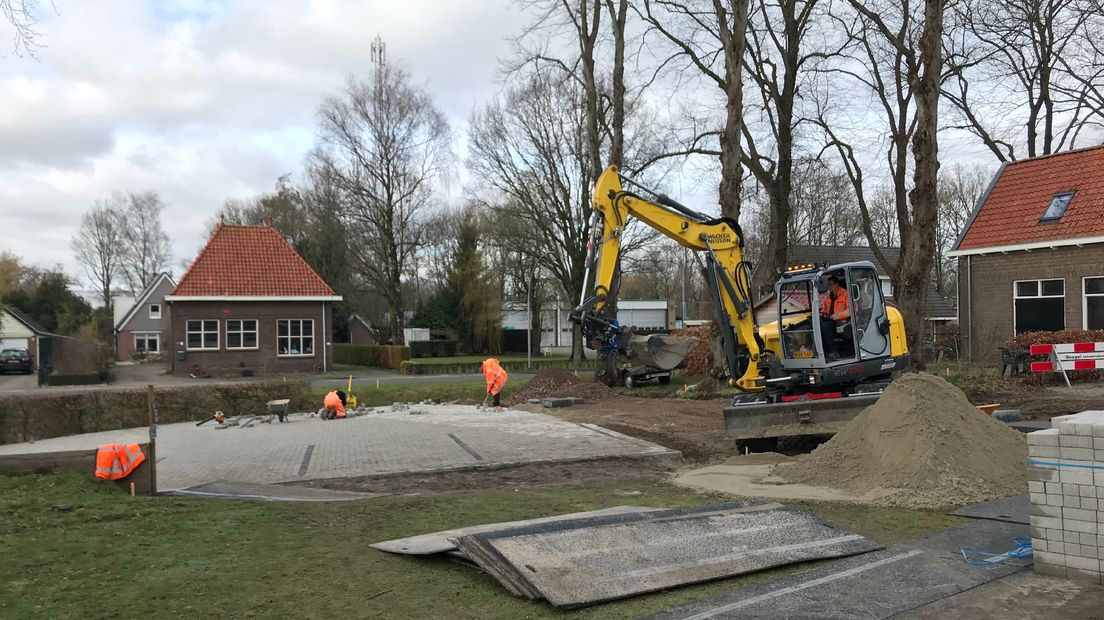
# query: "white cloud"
[[201, 101]]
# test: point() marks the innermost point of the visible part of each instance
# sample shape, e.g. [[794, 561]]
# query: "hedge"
[[433, 348], [91, 378], [380, 356], [47, 413], [417, 368], [1024, 341]]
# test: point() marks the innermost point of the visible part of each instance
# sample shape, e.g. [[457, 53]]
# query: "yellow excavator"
[[788, 383]]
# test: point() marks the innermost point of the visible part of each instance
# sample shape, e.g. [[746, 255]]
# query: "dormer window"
[[155, 311], [1057, 207]]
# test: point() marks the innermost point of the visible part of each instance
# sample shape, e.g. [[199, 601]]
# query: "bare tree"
[[21, 15], [712, 38], [383, 143], [960, 189], [98, 246], [1026, 75], [146, 251], [529, 154], [898, 61]]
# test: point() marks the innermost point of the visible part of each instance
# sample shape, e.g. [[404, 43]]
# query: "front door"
[[868, 313]]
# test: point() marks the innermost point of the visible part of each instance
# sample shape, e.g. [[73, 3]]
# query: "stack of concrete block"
[[1066, 486]]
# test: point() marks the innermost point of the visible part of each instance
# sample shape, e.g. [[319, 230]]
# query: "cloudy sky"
[[202, 101]]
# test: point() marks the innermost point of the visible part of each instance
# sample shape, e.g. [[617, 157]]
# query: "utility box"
[[180, 356]]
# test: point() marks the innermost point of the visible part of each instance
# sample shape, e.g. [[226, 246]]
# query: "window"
[[1039, 305], [295, 337], [203, 335], [887, 287], [1094, 303], [1057, 207], [146, 343], [241, 333], [155, 311]]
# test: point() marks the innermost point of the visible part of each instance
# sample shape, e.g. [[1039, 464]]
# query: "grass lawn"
[[415, 392], [75, 549], [475, 359]]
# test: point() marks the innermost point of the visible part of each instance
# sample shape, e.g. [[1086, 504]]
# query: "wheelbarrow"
[[278, 408]]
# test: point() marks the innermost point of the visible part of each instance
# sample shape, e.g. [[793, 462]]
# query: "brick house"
[[250, 304], [1031, 257], [141, 322]]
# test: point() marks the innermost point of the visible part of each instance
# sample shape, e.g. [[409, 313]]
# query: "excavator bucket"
[[658, 351]]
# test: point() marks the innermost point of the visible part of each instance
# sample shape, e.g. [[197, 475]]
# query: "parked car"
[[16, 359]]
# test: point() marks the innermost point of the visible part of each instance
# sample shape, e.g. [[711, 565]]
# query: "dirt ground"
[[531, 476], [1041, 402]]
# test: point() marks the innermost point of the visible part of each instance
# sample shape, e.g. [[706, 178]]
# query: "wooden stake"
[[132, 489], [153, 442]]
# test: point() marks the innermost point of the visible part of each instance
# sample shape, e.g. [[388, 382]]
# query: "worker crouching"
[[334, 405], [496, 376]]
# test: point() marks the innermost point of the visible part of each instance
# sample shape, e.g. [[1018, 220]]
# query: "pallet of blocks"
[[1066, 487]]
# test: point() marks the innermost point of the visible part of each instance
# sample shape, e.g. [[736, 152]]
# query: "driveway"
[[18, 382]]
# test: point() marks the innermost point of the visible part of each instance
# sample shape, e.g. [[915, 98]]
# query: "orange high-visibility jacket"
[[841, 307], [115, 461], [333, 403], [495, 375]]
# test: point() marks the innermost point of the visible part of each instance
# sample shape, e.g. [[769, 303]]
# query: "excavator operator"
[[835, 309]]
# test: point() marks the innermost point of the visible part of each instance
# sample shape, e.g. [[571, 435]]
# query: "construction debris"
[[921, 445], [586, 558]]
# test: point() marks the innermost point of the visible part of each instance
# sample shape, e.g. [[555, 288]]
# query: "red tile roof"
[[252, 261], [1011, 212]]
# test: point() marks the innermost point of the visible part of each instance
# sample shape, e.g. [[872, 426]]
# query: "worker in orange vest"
[[334, 404], [115, 461], [496, 376]]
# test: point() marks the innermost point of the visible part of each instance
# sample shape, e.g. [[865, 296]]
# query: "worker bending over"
[[334, 404], [495, 375]]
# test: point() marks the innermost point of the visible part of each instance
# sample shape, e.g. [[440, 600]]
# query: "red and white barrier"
[[1069, 356]]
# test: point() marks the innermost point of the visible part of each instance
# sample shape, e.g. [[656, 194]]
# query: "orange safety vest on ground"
[[495, 375], [115, 461], [842, 305], [333, 403]]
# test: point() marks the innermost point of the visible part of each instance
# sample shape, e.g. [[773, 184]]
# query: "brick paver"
[[443, 437]]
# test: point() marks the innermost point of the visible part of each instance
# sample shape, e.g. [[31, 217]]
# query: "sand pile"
[[922, 445]]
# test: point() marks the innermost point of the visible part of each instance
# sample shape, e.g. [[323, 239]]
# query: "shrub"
[[433, 348], [45, 414], [380, 356], [1024, 341]]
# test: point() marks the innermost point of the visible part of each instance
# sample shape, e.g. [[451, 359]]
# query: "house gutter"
[[325, 345]]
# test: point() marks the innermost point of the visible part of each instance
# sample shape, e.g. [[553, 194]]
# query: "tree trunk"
[[732, 26], [618, 13], [918, 250], [589, 20]]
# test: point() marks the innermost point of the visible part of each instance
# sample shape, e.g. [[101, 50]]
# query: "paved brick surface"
[[443, 437]]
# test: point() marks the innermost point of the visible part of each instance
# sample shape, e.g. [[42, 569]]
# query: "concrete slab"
[[1013, 509], [230, 489], [580, 566], [750, 476], [424, 438], [870, 586]]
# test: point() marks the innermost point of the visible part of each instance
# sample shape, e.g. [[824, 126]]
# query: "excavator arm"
[[720, 242]]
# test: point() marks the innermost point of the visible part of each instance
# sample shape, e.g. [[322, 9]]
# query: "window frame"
[[1039, 287], [300, 337], [1044, 219], [202, 333], [1085, 295], [157, 316], [256, 331], [146, 337]]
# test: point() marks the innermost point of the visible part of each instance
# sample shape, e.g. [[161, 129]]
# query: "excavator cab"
[[870, 342]]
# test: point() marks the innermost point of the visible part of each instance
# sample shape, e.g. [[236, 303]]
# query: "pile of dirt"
[[922, 445], [696, 361], [589, 391], [548, 382]]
